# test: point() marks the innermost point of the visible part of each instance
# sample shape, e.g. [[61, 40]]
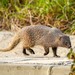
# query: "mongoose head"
[[64, 41]]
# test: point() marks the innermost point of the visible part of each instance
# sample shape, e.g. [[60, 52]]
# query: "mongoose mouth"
[[69, 46]]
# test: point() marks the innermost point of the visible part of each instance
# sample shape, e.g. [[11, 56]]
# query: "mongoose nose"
[[69, 46]]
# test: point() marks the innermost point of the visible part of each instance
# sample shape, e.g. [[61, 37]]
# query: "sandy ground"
[[16, 53]]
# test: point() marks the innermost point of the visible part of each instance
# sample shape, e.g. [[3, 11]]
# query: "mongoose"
[[39, 35]]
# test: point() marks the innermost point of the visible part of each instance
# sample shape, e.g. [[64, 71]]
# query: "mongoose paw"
[[24, 51], [32, 52], [57, 56], [45, 53], [27, 54]]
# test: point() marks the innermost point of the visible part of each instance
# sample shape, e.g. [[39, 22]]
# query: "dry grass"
[[58, 13]]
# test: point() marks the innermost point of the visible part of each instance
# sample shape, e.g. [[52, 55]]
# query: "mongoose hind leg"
[[30, 50], [55, 51], [46, 50], [24, 51]]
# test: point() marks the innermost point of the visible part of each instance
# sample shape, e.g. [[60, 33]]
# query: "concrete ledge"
[[16, 63], [33, 70], [35, 66], [36, 61], [22, 70], [60, 70]]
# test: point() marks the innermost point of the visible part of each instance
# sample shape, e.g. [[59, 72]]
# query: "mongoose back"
[[39, 35]]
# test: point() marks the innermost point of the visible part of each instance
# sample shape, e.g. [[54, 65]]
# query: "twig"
[[30, 18]]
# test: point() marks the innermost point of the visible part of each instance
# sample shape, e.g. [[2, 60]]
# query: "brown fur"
[[39, 35]]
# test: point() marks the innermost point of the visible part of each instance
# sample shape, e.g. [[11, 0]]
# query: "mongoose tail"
[[14, 42]]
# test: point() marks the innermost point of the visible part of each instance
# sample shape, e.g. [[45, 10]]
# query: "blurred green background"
[[58, 13]]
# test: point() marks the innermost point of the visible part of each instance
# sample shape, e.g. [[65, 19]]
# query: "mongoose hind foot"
[[30, 50], [46, 50], [24, 51]]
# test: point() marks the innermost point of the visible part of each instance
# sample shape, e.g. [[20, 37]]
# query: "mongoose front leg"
[[24, 51], [30, 50], [46, 50], [55, 51]]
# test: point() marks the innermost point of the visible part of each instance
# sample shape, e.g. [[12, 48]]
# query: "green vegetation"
[[71, 55], [58, 13]]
